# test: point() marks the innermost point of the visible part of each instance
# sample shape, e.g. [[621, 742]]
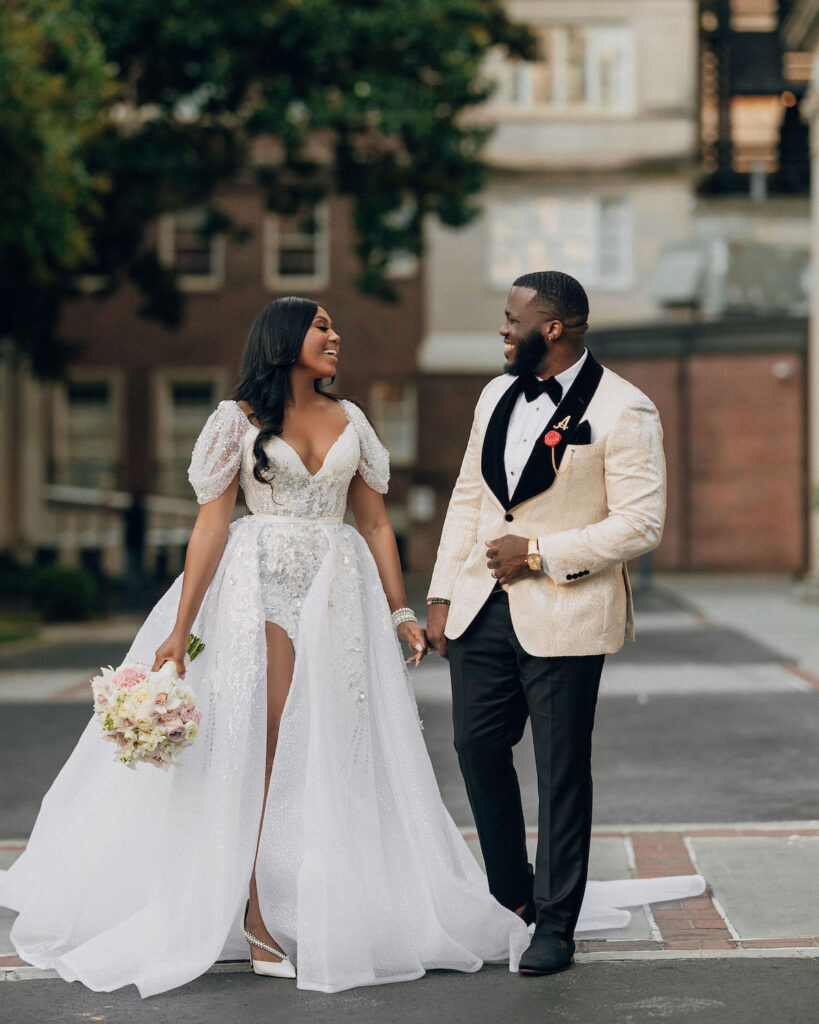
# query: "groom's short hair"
[[558, 293]]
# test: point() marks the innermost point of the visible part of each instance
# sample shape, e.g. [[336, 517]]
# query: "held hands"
[[506, 558], [412, 634], [173, 649]]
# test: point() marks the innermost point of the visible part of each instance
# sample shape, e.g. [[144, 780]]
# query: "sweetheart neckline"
[[300, 460], [277, 437]]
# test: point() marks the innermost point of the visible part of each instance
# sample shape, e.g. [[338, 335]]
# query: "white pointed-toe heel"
[[268, 968]]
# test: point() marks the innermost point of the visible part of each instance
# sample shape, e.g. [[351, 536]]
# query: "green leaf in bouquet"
[[195, 646]]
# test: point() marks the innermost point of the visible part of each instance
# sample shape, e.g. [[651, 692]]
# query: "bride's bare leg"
[[280, 661]]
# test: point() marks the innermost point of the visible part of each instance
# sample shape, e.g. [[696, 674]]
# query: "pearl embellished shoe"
[[268, 968]]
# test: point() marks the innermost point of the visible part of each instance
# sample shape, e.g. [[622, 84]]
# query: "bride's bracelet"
[[402, 615]]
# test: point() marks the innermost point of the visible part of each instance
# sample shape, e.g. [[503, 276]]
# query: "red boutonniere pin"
[[553, 438]]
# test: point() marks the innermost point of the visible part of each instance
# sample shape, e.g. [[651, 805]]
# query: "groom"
[[563, 481]]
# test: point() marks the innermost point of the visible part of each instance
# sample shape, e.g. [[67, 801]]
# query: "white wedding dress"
[[140, 877]]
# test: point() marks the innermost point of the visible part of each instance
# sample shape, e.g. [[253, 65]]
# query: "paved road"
[[764, 991], [675, 739], [710, 758]]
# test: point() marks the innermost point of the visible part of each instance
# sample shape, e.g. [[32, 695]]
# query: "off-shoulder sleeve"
[[374, 461], [217, 452]]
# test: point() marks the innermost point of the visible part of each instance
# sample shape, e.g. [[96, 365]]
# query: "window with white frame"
[[197, 256], [184, 402], [579, 67], [589, 237], [394, 408], [86, 444], [297, 248]]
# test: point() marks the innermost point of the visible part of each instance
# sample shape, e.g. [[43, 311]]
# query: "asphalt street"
[[671, 758], [658, 758], [779, 991]]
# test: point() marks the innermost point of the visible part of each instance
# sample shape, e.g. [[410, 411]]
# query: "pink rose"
[[175, 731], [129, 676], [187, 713]]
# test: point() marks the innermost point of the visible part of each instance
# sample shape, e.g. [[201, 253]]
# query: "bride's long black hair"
[[273, 345]]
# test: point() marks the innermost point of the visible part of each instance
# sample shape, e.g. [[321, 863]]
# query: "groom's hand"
[[436, 624], [506, 558]]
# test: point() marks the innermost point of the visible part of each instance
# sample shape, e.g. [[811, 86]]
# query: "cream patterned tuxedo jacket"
[[604, 506]]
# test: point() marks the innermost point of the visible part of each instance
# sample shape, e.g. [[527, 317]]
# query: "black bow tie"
[[534, 387]]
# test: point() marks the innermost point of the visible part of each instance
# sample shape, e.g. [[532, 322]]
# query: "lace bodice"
[[225, 447]]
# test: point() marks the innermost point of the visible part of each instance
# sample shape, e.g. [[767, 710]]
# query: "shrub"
[[63, 592], [14, 579]]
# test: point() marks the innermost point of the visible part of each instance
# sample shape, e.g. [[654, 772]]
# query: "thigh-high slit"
[[280, 663]]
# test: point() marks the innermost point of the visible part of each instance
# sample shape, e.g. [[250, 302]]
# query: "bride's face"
[[321, 346]]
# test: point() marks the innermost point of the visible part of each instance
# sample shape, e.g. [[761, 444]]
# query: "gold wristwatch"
[[533, 558]]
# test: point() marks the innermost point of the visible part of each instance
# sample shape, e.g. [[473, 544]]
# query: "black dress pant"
[[496, 686]]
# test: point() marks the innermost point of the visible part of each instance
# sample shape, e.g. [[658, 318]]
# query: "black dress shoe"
[[547, 954]]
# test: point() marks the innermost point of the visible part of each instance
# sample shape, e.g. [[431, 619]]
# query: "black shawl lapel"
[[494, 443], [538, 474]]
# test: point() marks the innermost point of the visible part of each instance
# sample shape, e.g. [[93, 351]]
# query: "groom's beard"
[[528, 355]]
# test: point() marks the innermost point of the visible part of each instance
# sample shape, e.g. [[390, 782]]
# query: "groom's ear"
[[552, 330]]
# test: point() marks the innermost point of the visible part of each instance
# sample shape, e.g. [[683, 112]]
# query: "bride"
[[305, 819]]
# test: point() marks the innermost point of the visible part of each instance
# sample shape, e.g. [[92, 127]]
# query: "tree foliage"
[[365, 97], [55, 89]]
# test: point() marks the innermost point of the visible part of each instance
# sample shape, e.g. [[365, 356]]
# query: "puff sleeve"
[[217, 452], [374, 460]]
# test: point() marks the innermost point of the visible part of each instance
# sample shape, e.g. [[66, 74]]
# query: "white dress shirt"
[[527, 425]]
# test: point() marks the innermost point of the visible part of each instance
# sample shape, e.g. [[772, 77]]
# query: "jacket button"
[[570, 576], [509, 517]]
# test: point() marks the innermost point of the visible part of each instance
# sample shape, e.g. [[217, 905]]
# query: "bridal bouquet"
[[151, 716]]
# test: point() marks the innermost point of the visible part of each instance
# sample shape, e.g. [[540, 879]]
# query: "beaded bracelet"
[[438, 600], [402, 615]]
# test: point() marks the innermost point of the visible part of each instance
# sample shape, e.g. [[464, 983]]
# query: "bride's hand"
[[173, 649], [413, 635]]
